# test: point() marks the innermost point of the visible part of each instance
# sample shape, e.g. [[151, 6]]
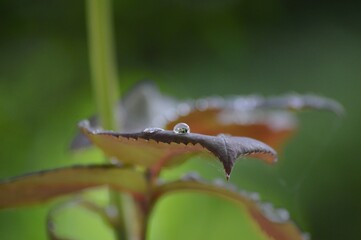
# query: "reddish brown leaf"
[[44, 185], [265, 119], [218, 121], [165, 148]]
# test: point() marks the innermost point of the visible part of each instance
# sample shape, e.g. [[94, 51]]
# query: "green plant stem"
[[102, 61], [105, 87]]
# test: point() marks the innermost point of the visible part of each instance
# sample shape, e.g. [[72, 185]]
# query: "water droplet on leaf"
[[152, 130], [306, 236], [219, 182], [191, 176], [254, 196], [181, 128], [231, 187], [275, 215], [111, 211], [183, 109]]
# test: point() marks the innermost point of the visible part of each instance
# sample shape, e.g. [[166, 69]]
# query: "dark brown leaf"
[[160, 147]]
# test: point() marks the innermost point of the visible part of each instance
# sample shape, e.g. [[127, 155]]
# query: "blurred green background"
[[191, 49]]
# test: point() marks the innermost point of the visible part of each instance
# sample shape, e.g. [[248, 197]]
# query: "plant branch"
[[102, 61], [105, 87]]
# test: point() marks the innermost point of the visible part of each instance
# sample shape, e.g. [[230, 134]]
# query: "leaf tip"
[[228, 176]]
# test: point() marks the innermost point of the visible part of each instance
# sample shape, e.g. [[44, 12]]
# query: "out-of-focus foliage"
[[42, 186], [192, 50]]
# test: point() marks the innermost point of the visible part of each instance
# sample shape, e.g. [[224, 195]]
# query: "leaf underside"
[[40, 186], [274, 223], [166, 148]]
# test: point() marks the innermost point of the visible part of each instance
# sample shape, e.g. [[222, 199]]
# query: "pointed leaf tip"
[[163, 148]]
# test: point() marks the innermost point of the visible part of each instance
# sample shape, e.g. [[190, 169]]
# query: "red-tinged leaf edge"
[[274, 223], [157, 144], [41, 186]]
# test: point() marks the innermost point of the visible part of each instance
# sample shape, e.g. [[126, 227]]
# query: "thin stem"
[[106, 91], [102, 61]]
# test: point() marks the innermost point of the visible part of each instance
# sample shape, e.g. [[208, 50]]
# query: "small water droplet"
[[231, 187], [283, 214], [254, 196], [152, 130], [191, 176], [202, 104], [224, 135], [181, 128], [116, 162], [170, 115], [279, 215], [243, 193], [183, 109], [306, 236], [218, 182], [111, 211]]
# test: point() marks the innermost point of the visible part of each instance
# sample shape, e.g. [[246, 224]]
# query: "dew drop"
[[219, 182], [152, 130], [116, 162], [181, 128], [202, 104], [283, 214], [224, 135], [306, 236], [275, 215], [111, 211], [191, 176], [243, 193], [183, 109], [231, 187], [254, 196]]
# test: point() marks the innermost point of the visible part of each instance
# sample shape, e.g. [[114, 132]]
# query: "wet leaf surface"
[[268, 119], [160, 147], [265, 128]]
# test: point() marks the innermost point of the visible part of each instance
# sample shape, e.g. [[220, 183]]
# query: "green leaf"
[[158, 148], [274, 223], [44, 185]]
